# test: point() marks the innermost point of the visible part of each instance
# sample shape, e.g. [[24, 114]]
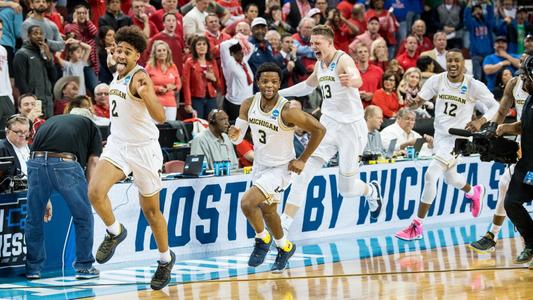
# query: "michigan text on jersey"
[[263, 123], [453, 98], [115, 92]]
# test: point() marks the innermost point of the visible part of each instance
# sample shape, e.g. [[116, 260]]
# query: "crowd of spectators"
[[202, 54]]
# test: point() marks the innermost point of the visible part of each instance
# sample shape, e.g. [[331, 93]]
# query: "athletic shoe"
[[413, 232], [33, 275], [524, 257], [530, 266], [87, 273], [484, 245], [281, 259], [259, 253], [163, 273], [477, 200], [375, 200], [107, 247]]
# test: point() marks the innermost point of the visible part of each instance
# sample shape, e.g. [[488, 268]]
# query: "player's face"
[[455, 64], [321, 46], [268, 84], [126, 57]]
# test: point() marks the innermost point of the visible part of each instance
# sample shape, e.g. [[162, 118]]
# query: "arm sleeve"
[[186, 88], [298, 90], [56, 43], [243, 126], [20, 70]]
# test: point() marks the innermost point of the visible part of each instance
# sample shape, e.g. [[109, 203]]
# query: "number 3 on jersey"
[[262, 136], [450, 108], [326, 91], [114, 108]]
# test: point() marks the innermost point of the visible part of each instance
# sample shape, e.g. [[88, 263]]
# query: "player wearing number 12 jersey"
[[343, 116], [456, 96]]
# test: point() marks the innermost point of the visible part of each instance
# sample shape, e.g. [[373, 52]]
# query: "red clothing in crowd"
[[86, 33], [407, 61], [157, 19], [174, 45], [98, 8], [161, 80], [230, 29], [342, 38], [361, 24], [309, 63], [101, 111], [59, 106], [56, 18], [345, 8], [37, 122], [195, 84], [381, 64], [242, 149], [371, 80], [387, 102], [423, 45], [388, 25], [214, 45], [140, 24], [125, 5], [233, 6]]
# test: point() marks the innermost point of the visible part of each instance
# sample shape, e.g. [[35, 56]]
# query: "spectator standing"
[[251, 11], [84, 31], [65, 90], [238, 75], [358, 18], [370, 74], [274, 38], [113, 16], [262, 50], [343, 29], [28, 108], [379, 54], [410, 56], [34, 68], [388, 25], [291, 65], [106, 40], [98, 9], [7, 104], [480, 34], [322, 6], [170, 7], [418, 30], [16, 143], [168, 35], [12, 23], [165, 77], [50, 31], [214, 143], [194, 20], [295, 10], [200, 79], [302, 41], [499, 60], [62, 149], [140, 19], [76, 60], [450, 20], [370, 35], [386, 97], [408, 89], [215, 37], [438, 53], [277, 23], [101, 100], [406, 12]]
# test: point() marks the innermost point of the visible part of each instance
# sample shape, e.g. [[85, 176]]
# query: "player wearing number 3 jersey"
[[343, 117], [456, 95]]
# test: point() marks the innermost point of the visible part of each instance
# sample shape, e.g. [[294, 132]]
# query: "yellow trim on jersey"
[[274, 107], [281, 123]]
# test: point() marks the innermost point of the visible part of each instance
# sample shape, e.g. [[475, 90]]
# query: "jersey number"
[[450, 108], [113, 108], [326, 91], [262, 138]]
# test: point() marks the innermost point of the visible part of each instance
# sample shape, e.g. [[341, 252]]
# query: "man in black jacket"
[[113, 16], [16, 143], [34, 69]]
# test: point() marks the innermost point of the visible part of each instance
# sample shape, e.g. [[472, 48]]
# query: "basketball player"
[[513, 93], [343, 117], [456, 95], [132, 146], [272, 122]]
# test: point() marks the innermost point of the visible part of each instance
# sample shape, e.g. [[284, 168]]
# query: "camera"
[[489, 146]]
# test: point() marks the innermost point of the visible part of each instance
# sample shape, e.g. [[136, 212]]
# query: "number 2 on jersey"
[[262, 137], [113, 108], [326, 91], [450, 108]]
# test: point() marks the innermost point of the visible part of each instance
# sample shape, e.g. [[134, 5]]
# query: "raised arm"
[[144, 87], [303, 88], [506, 102]]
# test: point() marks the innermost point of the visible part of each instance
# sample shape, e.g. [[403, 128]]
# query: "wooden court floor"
[[453, 272]]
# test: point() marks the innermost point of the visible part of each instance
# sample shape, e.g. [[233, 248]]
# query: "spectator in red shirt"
[[85, 31], [215, 37], [169, 6], [370, 74], [101, 100], [379, 54], [386, 97], [54, 16], [388, 25], [29, 108], [140, 19], [200, 79], [149, 9], [98, 8], [345, 8], [251, 11], [344, 30], [233, 6], [245, 151], [410, 56], [418, 30], [165, 76], [358, 18], [168, 35]]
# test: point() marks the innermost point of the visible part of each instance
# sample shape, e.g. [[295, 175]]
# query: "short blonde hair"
[[374, 45], [153, 61], [324, 31]]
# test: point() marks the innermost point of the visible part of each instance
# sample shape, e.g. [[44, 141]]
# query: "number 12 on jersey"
[[450, 108]]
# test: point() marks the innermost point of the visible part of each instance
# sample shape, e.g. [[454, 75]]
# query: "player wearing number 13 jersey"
[[456, 95], [343, 116]]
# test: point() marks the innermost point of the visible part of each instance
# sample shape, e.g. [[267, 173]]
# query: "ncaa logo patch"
[[127, 79], [463, 89], [332, 66], [275, 114]]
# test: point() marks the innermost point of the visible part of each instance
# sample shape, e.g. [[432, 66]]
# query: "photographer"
[[521, 185]]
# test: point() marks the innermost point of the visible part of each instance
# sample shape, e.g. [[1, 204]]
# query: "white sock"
[[165, 257], [369, 190], [286, 221], [495, 229], [471, 192], [261, 235], [419, 220], [114, 228], [281, 243]]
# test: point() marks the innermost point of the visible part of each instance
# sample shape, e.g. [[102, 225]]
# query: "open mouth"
[[121, 67]]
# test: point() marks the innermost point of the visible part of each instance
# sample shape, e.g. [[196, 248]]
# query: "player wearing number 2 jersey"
[[272, 122], [132, 147], [456, 95], [343, 117]]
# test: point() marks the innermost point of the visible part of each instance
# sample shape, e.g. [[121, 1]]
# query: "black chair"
[[183, 133]]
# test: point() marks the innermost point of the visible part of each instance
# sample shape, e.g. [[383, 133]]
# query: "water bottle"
[[204, 167]]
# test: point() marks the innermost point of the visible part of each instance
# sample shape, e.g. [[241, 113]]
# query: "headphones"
[[213, 116]]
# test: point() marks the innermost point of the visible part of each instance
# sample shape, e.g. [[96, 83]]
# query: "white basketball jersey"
[[130, 121], [520, 97], [273, 140], [338, 102], [454, 106]]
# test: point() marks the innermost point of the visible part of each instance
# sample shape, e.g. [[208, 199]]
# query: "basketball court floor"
[[440, 266]]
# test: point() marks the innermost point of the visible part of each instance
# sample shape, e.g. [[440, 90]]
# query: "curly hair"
[[133, 36]]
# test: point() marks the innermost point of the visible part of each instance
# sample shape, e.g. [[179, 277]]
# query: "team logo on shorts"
[[332, 66], [463, 89], [275, 114]]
